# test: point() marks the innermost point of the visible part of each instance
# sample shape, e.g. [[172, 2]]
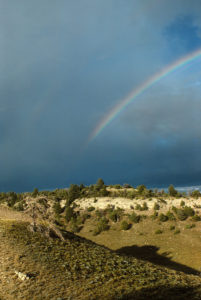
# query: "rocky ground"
[[128, 204]]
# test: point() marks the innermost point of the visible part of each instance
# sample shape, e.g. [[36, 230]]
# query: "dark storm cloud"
[[156, 141], [66, 63]]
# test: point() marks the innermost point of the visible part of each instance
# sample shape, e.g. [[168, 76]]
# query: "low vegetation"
[[74, 267], [125, 225], [158, 231]]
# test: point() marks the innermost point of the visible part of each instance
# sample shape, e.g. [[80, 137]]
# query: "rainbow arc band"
[[122, 105]]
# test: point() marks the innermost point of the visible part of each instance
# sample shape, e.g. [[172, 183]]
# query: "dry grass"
[[133, 264], [183, 248], [79, 269], [10, 214]]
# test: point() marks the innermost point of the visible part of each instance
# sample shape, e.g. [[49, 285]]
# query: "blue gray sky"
[[65, 64]]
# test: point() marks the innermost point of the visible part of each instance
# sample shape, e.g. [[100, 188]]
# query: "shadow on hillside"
[[149, 253], [164, 293]]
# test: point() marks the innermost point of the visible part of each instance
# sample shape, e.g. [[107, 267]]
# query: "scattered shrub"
[[196, 218], [35, 193], [189, 211], [96, 231], [143, 217], [138, 207], [197, 206], [156, 206], [158, 231], [58, 221], [141, 188], [73, 193], [82, 186], [170, 216], [109, 209], [162, 201], [184, 213], [43, 202], [117, 186], [79, 220], [189, 226], [12, 199], [103, 192], [144, 206], [19, 206], [127, 186], [74, 227], [182, 203], [154, 216], [177, 231], [125, 225], [196, 194], [171, 190], [82, 218], [69, 214], [100, 184], [101, 226], [141, 207], [57, 208], [174, 209], [114, 216], [91, 208], [134, 218], [98, 213], [172, 227], [181, 215], [163, 218]]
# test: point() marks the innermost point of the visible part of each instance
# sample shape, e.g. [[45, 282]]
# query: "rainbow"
[[122, 105]]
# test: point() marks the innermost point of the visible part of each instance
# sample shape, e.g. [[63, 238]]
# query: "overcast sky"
[[65, 64]]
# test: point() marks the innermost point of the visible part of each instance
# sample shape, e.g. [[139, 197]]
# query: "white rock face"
[[126, 204], [22, 276]]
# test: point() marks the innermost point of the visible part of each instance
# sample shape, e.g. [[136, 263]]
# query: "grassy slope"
[[183, 248], [79, 269]]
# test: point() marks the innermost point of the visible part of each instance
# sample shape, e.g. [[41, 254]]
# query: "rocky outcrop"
[[22, 276]]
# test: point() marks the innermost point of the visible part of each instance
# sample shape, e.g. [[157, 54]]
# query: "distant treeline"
[[99, 189]]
